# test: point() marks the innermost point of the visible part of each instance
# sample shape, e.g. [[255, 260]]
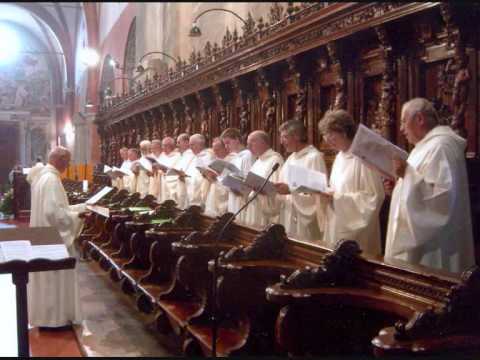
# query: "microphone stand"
[[213, 316]]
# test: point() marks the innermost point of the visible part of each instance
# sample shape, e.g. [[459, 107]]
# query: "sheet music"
[[25, 171], [145, 164], [376, 151], [154, 161], [106, 169], [255, 181], [236, 183], [16, 250], [301, 179], [50, 252], [121, 171], [95, 198], [101, 210], [219, 165], [174, 172]]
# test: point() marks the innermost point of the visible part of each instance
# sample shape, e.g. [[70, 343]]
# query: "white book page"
[[145, 164], [25, 171], [16, 250], [107, 169], [255, 181], [235, 183], [50, 252], [219, 165], [101, 210], [301, 179], [95, 198], [376, 151]]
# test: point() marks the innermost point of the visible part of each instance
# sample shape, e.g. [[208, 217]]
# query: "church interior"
[[240, 179]]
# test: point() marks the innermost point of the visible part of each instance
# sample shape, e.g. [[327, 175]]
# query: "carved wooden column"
[[205, 101], [457, 73], [177, 110], [386, 108], [244, 90], [221, 96], [188, 109], [269, 103], [167, 120], [156, 123], [340, 83]]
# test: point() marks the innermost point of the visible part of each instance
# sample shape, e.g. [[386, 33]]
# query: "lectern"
[[20, 269]]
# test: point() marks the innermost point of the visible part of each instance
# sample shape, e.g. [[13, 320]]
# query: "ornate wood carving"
[[337, 269], [340, 85]]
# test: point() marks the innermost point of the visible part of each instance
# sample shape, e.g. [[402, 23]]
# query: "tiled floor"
[[42, 343]]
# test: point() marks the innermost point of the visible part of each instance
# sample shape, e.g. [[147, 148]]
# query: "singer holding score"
[[352, 207], [429, 221], [265, 208], [299, 211]]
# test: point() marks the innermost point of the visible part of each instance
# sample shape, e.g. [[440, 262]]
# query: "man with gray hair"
[[430, 222], [299, 211], [265, 208], [142, 174], [53, 299]]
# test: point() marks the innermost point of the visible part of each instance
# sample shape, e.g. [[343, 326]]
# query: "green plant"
[[6, 205]]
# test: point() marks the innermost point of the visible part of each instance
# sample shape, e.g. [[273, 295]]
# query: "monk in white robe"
[[196, 184], [118, 181], [168, 158], [130, 181], [430, 220], [142, 175], [53, 296], [217, 197], [352, 207], [243, 159], [155, 179], [298, 212], [265, 208], [176, 183]]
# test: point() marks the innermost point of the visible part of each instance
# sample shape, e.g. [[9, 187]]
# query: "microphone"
[[215, 261]]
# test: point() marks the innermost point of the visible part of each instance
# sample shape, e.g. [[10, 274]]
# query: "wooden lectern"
[[20, 269]]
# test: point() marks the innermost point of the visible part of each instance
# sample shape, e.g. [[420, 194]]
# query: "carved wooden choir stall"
[[276, 295]]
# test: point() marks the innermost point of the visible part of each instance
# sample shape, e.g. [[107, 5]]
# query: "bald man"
[[196, 185], [264, 209], [217, 198], [176, 182], [430, 221], [154, 184], [53, 295], [142, 175], [168, 158]]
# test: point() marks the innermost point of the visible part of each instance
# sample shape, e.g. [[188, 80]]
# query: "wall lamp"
[[195, 30], [108, 90], [141, 69]]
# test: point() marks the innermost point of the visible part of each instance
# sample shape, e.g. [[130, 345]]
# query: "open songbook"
[[245, 185], [155, 162], [376, 151], [175, 172], [303, 180], [144, 164], [23, 250], [96, 198], [218, 167], [115, 171]]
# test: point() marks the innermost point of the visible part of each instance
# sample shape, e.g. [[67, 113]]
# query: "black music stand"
[[20, 269]]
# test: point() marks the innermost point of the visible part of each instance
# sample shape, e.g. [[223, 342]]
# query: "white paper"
[[50, 252], [106, 169], [85, 185], [155, 162], [101, 210], [16, 250], [25, 171], [255, 181], [145, 164], [219, 165], [121, 172], [95, 198], [236, 183], [174, 172], [301, 179], [376, 151]]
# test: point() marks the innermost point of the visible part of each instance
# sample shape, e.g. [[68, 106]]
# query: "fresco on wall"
[[26, 86]]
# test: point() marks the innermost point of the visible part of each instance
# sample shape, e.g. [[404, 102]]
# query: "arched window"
[[130, 53], [108, 74]]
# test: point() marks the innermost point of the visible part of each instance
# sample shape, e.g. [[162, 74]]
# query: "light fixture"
[[195, 30], [89, 57], [114, 63]]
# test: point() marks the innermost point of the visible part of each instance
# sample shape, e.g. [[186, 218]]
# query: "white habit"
[[155, 180], [299, 211], [217, 198], [196, 185], [264, 209], [167, 160], [243, 160], [354, 212], [142, 181], [430, 222], [53, 296], [176, 188]]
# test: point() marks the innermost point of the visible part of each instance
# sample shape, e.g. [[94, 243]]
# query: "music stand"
[[20, 269]]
